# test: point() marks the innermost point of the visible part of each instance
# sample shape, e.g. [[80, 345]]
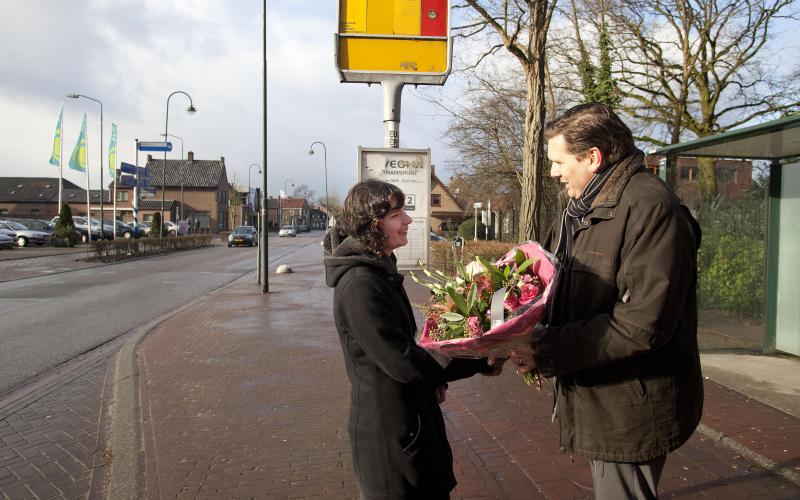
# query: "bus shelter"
[[778, 142]]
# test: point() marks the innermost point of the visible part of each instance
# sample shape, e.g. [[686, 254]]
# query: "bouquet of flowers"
[[487, 309]]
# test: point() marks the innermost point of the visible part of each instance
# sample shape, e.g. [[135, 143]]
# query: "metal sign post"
[[393, 43]]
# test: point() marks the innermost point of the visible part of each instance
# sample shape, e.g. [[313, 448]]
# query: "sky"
[[132, 54]]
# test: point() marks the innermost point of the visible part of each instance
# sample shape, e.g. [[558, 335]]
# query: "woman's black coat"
[[396, 429]]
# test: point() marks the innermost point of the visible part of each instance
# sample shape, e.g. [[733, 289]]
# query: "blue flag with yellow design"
[[78, 159], [55, 158]]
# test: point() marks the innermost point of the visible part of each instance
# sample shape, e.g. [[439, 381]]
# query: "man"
[[621, 340]]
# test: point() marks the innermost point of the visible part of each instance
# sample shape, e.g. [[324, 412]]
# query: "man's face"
[[573, 173]]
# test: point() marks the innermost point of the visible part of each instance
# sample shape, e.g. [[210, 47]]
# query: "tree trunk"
[[707, 179], [533, 150]]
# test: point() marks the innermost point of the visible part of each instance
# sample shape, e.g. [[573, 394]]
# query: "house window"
[[436, 200], [122, 196], [34, 210], [3, 211]]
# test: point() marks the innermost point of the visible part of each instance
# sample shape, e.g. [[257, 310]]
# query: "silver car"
[[24, 235], [6, 241]]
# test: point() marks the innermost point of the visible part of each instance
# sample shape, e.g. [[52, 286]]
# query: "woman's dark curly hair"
[[366, 204]]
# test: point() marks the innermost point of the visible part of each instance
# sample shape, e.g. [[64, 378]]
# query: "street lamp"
[[191, 110], [89, 215], [286, 194], [250, 171], [325, 164], [180, 139]]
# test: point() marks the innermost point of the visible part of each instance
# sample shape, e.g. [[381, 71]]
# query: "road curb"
[[125, 442], [768, 464]]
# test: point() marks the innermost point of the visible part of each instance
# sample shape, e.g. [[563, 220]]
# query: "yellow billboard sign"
[[405, 39]]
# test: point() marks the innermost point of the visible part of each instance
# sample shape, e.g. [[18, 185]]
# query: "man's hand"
[[523, 358], [441, 394], [497, 363]]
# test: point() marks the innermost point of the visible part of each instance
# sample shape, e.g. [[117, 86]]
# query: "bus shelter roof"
[[774, 140]]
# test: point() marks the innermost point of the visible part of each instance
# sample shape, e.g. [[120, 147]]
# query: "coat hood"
[[343, 252]]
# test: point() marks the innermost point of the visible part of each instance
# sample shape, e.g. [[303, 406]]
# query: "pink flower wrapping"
[[522, 311]]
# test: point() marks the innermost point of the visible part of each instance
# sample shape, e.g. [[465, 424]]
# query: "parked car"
[[180, 229], [123, 230], [25, 236], [6, 241], [82, 226], [44, 226], [287, 231], [243, 235], [302, 228]]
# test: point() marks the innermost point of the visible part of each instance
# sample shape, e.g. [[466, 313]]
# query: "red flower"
[[511, 303], [474, 327], [529, 292]]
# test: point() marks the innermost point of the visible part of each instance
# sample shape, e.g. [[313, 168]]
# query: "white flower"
[[474, 268]]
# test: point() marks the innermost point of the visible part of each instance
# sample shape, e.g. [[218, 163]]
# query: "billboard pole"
[[392, 93]]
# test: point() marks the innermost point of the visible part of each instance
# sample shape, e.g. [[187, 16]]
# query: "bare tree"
[[698, 66], [520, 27], [303, 191]]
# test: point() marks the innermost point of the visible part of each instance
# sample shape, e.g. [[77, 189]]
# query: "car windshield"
[[15, 225], [243, 230], [288, 228]]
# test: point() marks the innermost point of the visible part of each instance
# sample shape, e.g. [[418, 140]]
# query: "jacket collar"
[[612, 190]]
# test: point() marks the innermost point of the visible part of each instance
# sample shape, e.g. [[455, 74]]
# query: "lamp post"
[[102, 195], [180, 139], [191, 110], [325, 165], [286, 194], [249, 171]]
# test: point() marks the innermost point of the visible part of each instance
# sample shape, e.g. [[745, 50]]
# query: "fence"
[[114, 250], [731, 257]]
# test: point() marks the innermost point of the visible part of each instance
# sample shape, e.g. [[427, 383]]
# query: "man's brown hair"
[[592, 125]]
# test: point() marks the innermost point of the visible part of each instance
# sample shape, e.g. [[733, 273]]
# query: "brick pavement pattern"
[[51, 446], [245, 396]]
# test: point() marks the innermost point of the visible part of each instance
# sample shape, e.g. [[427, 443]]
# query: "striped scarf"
[[577, 209]]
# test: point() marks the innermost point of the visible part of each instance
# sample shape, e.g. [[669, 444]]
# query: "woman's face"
[[394, 226]]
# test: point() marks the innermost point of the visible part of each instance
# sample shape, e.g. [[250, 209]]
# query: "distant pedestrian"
[[622, 337], [396, 430]]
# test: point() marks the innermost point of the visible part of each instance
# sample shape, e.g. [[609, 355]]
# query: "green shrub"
[[441, 253], [65, 233], [467, 230], [155, 225]]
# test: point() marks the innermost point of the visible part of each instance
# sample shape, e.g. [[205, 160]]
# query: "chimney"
[[222, 159], [190, 156], [149, 157], [433, 169]]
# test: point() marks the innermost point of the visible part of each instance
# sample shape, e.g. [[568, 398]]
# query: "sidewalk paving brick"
[[51, 446], [245, 395]]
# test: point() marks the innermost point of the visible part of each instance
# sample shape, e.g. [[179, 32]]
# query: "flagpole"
[[61, 162], [88, 190]]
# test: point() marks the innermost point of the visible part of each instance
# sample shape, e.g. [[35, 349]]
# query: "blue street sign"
[[127, 181], [142, 172], [155, 146], [144, 182], [127, 168]]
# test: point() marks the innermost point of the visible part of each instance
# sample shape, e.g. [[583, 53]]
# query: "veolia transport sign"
[[409, 39], [410, 170]]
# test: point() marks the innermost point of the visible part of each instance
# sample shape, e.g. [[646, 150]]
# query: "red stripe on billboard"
[[434, 18]]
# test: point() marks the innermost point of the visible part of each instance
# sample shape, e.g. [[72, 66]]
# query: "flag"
[[112, 151], [55, 158], [78, 159]]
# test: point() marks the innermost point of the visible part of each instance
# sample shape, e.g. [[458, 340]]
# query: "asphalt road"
[[47, 320]]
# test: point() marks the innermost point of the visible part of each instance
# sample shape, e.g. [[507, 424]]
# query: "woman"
[[396, 429]]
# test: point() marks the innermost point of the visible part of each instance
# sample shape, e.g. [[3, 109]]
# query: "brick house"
[[205, 192], [734, 178], [447, 212], [37, 198], [294, 212]]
